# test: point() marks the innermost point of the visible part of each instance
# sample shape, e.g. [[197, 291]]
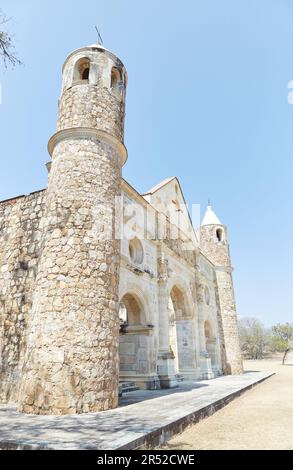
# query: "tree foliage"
[[257, 342], [254, 338], [282, 338], [7, 52]]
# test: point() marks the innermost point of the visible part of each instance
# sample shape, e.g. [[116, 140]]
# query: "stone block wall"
[[134, 354], [20, 235], [21, 226], [94, 107], [227, 307], [71, 361]]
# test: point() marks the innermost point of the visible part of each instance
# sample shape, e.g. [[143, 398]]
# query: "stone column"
[[206, 371], [72, 363], [166, 366]]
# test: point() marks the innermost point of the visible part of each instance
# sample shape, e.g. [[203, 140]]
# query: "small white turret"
[[210, 217]]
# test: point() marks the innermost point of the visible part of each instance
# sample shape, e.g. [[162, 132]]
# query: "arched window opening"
[[180, 330], [219, 234], [122, 313], [178, 303], [210, 342], [131, 311], [116, 82], [207, 330], [81, 71], [133, 339], [85, 74]]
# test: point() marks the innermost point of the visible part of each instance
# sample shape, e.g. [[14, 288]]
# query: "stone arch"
[[135, 340], [211, 342], [133, 306], [116, 81], [181, 327], [179, 302], [220, 235], [142, 298], [188, 300], [81, 70], [208, 330]]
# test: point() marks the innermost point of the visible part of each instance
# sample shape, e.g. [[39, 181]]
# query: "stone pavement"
[[144, 418]]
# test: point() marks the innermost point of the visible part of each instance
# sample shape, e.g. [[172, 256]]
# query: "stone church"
[[101, 285]]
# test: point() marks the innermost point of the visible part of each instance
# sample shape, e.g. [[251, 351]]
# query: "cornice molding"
[[227, 269], [88, 133]]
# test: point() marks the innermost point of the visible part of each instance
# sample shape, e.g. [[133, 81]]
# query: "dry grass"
[[260, 419]]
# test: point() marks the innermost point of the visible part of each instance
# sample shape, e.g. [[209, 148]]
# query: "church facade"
[[101, 285]]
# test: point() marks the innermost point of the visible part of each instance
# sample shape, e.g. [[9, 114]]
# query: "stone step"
[[126, 384], [179, 377], [126, 387]]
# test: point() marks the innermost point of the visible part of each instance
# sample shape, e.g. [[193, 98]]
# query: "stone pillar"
[[186, 348], [72, 363], [166, 366], [206, 371]]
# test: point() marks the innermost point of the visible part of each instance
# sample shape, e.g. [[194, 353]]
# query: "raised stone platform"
[[144, 419]]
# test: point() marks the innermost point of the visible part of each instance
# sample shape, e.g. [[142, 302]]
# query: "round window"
[[136, 251]]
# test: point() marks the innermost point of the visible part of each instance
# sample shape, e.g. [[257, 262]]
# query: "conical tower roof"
[[210, 217]]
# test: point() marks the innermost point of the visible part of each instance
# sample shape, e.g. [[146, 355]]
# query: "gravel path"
[[261, 419]]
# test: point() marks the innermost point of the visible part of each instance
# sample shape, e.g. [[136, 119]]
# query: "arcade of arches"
[[138, 342]]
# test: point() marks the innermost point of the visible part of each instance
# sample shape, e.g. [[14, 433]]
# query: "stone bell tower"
[[214, 243], [71, 363]]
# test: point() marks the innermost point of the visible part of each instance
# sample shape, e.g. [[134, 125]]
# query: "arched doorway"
[[210, 342], [136, 362], [181, 332]]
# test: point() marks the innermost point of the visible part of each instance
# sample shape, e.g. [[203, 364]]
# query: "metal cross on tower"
[[100, 40]]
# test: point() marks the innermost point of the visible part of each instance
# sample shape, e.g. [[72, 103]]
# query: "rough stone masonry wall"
[[92, 106], [229, 323], [71, 364], [218, 253], [71, 361], [20, 234]]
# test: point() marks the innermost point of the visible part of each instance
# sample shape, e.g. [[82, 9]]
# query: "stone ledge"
[[88, 133], [144, 419], [162, 435]]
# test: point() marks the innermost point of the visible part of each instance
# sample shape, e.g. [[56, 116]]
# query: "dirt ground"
[[262, 418]]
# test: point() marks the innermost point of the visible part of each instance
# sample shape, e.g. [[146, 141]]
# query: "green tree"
[[282, 338], [7, 52], [254, 338]]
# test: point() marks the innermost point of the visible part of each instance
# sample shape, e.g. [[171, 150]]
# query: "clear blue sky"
[[207, 102]]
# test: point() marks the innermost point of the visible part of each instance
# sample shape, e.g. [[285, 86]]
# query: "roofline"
[[160, 185], [147, 203], [124, 182], [15, 198], [164, 183]]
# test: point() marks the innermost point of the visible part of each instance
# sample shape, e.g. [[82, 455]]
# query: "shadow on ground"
[[143, 395]]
